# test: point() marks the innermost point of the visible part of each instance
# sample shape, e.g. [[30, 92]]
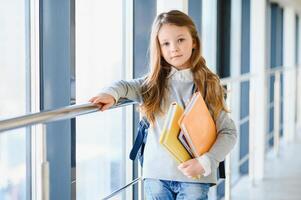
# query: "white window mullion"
[[128, 74], [298, 81], [209, 32], [258, 93], [235, 72], [289, 73], [37, 130]]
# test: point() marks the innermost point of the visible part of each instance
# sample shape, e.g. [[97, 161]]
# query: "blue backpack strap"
[[140, 139], [221, 170]]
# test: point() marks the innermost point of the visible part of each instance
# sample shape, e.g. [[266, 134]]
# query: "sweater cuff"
[[205, 162]]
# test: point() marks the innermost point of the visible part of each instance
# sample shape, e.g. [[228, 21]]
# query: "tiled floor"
[[282, 179]]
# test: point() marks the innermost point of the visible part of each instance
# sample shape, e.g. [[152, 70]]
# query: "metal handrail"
[[280, 69], [72, 111], [67, 112], [271, 71], [240, 78], [122, 188]]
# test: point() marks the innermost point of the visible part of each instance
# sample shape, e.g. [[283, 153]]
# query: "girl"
[[176, 68]]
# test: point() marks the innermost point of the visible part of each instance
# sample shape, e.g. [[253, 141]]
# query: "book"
[[169, 136], [198, 126], [184, 142]]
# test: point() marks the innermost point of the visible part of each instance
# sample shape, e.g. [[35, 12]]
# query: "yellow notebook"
[[169, 136]]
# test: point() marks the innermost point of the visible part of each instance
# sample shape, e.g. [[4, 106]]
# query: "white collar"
[[181, 75]]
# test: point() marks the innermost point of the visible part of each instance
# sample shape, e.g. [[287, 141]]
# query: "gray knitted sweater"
[[158, 163]]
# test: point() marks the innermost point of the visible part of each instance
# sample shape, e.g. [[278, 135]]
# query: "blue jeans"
[[169, 190]]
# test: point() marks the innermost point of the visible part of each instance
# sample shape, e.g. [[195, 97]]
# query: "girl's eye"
[[181, 40], [165, 44]]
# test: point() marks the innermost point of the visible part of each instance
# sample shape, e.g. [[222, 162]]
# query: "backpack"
[[139, 144]]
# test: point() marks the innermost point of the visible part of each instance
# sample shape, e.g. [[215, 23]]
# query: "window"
[[100, 137], [14, 66]]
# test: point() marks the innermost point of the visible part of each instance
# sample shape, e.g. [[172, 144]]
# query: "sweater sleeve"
[[125, 89], [225, 141]]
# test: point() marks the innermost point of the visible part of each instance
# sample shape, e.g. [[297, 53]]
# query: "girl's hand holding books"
[[191, 168], [103, 101]]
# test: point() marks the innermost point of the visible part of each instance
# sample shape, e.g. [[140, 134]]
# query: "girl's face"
[[176, 45]]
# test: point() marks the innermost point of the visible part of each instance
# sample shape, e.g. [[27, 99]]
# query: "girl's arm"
[[111, 94], [125, 89]]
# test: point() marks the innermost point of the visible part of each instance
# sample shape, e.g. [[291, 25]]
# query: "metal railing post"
[[228, 177], [45, 167]]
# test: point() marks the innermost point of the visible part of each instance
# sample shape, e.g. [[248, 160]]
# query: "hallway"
[[282, 178]]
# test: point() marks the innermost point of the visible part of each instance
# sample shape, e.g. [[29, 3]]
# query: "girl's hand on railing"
[[103, 101]]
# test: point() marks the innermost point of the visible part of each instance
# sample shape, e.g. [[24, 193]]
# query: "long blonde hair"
[[154, 88]]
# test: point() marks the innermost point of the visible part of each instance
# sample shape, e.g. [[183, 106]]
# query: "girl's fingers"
[[189, 168], [187, 173], [184, 170], [95, 100], [92, 99], [98, 100], [99, 105], [103, 101], [183, 165], [106, 106]]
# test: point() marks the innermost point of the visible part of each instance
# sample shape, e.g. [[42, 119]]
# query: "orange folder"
[[198, 125]]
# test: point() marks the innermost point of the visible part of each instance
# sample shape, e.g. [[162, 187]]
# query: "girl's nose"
[[174, 47]]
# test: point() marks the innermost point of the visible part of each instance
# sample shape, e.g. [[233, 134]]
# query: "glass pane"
[[99, 136], [13, 165], [13, 100]]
